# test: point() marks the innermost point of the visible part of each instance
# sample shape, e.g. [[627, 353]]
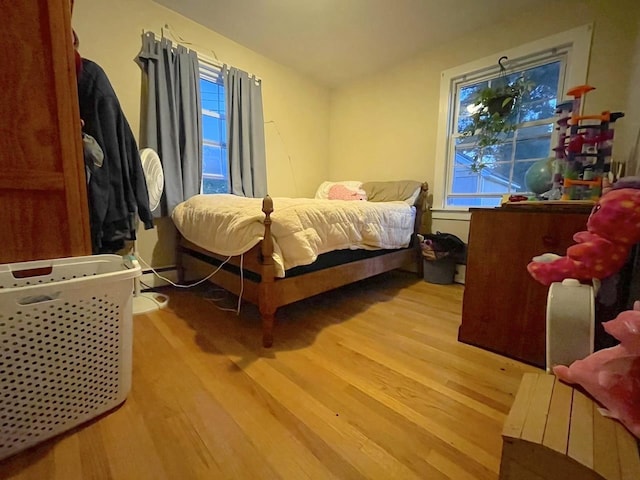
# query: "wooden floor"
[[367, 381]]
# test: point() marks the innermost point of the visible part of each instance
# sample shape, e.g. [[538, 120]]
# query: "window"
[[215, 170], [507, 162], [552, 65]]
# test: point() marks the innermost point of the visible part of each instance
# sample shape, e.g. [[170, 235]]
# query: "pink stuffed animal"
[[340, 192], [612, 229], [612, 375]]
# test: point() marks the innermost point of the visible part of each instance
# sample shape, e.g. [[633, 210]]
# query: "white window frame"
[[576, 41]]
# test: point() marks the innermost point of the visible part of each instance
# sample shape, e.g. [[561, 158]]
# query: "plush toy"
[[612, 375], [612, 229], [342, 192]]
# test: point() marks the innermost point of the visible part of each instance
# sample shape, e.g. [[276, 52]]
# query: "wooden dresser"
[[504, 309], [43, 201]]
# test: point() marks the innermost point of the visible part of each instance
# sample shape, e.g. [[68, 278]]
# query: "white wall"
[[384, 126], [296, 110]]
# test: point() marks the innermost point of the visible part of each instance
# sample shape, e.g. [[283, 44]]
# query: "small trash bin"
[[440, 253], [441, 271]]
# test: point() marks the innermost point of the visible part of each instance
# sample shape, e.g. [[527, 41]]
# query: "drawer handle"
[[550, 241]]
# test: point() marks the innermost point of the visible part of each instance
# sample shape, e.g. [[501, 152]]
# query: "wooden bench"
[[554, 431]]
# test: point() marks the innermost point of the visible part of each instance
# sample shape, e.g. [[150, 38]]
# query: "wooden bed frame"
[[272, 292]]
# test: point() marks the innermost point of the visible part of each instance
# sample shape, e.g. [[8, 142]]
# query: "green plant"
[[494, 115]]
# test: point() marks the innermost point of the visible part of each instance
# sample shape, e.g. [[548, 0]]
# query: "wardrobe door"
[[43, 200]]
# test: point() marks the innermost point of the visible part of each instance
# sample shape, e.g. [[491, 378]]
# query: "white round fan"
[[154, 178], [153, 175]]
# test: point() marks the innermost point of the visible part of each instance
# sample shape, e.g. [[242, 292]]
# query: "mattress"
[[302, 228]]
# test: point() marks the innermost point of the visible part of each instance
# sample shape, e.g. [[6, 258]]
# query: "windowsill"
[[448, 214]]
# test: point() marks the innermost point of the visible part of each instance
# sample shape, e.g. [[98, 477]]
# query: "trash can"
[[441, 271], [440, 254]]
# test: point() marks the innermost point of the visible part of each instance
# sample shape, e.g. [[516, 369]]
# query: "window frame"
[[576, 41]]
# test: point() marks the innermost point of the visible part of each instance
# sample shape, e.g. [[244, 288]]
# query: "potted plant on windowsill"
[[494, 114]]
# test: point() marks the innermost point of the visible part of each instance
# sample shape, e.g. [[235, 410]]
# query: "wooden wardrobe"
[[43, 200]]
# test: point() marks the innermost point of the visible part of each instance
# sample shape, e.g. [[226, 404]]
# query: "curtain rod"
[[214, 62]]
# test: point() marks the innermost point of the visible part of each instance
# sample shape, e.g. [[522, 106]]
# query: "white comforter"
[[302, 228]]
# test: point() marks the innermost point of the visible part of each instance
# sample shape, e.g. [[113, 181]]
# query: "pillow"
[[391, 191], [350, 185]]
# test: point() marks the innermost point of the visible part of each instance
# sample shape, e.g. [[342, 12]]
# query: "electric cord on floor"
[[237, 310], [162, 277], [146, 264]]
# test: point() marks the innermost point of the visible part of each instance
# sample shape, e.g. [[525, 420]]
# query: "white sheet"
[[302, 228]]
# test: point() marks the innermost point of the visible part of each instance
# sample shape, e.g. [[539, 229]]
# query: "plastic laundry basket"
[[65, 345]]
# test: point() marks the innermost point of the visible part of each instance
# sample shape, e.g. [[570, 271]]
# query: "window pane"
[[534, 142], [540, 103], [537, 131], [519, 170], [464, 181], [464, 156], [534, 148], [493, 178], [499, 153], [214, 162], [501, 172], [466, 98], [215, 185], [212, 95], [212, 129], [493, 182], [473, 202]]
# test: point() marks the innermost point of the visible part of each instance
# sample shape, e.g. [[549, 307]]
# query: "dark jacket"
[[117, 191]]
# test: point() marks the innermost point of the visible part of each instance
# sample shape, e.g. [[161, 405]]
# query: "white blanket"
[[302, 228]]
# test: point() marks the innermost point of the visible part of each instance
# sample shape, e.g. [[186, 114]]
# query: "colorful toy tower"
[[583, 156]]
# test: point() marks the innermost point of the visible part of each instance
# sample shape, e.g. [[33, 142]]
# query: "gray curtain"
[[172, 117], [245, 134]]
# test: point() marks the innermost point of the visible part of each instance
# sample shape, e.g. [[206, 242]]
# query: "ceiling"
[[334, 41]]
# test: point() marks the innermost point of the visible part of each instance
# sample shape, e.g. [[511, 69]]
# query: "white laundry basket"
[[65, 345]]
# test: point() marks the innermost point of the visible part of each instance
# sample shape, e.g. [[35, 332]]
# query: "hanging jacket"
[[117, 192]]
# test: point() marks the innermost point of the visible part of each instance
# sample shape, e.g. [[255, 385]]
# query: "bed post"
[[266, 300], [421, 206], [179, 260]]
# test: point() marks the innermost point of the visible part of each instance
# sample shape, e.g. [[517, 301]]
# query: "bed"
[[257, 240]]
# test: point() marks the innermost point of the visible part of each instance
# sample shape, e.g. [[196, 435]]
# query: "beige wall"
[[629, 129], [380, 127], [385, 126], [296, 110]]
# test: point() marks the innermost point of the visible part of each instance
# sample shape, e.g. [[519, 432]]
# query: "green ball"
[[539, 177]]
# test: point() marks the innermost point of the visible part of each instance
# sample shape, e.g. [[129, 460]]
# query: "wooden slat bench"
[[554, 431]]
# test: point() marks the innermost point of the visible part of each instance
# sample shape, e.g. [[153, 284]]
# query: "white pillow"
[[355, 186]]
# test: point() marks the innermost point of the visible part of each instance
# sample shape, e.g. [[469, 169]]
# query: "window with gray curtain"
[[172, 121], [233, 132], [245, 133]]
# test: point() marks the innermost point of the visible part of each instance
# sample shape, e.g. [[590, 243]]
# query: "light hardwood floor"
[[367, 381]]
